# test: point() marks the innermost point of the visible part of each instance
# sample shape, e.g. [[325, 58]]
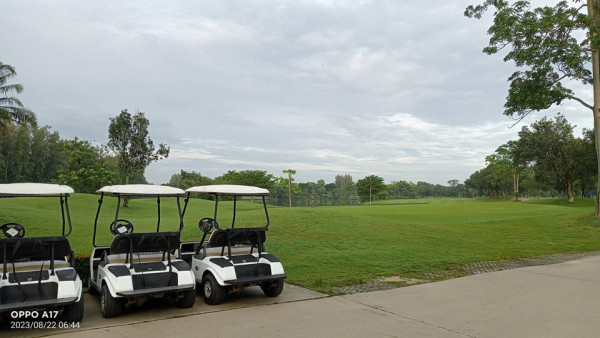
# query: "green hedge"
[[82, 266]]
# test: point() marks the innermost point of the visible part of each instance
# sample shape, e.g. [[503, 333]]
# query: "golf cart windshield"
[[230, 190], [12, 190], [120, 226]]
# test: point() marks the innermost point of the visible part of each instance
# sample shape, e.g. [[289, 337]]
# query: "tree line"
[[547, 159]]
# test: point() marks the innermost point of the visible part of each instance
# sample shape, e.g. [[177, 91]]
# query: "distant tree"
[[424, 189], [345, 187], [371, 186], [11, 108], [29, 154], [551, 148], [85, 167], [402, 189], [257, 178], [185, 179], [585, 162], [288, 184], [128, 139]]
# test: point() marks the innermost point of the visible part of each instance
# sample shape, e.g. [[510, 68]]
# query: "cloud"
[[393, 88]]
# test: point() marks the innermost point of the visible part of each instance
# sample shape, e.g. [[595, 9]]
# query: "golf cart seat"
[[34, 253], [146, 246], [248, 236], [231, 238]]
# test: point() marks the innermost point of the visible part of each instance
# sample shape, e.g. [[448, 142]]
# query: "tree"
[[554, 46], [29, 154], [551, 147], [11, 109], [128, 138], [291, 187], [402, 189], [345, 187], [371, 186], [85, 167], [509, 154], [186, 179], [258, 178]]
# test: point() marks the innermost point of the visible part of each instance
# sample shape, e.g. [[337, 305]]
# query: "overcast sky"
[[398, 89]]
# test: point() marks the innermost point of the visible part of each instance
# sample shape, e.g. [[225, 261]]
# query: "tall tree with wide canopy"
[[551, 148], [128, 138], [554, 48], [11, 108]]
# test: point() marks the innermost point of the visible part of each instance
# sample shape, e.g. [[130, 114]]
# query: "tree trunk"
[[593, 13], [126, 198], [570, 194]]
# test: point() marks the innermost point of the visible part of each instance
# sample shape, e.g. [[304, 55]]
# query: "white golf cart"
[[139, 266], [232, 258], [37, 272]]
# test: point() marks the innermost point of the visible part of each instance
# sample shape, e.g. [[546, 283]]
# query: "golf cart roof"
[[34, 189], [229, 189], [141, 190]]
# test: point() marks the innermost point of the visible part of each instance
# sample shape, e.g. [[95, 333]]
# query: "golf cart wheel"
[[211, 290], [109, 306], [272, 289], [73, 312], [188, 300]]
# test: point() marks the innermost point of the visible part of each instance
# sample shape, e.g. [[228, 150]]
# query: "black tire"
[[188, 300], [109, 306], [73, 312], [272, 289], [211, 290]]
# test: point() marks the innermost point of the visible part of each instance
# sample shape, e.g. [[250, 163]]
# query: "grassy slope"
[[335, 246]]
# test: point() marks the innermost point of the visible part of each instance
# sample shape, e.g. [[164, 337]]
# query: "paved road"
[[559, 300]]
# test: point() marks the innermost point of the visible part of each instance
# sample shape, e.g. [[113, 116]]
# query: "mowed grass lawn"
[[328, 247]]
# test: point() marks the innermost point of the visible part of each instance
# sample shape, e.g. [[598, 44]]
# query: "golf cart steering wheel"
[[13, 230], [121, 226], [207, 224]]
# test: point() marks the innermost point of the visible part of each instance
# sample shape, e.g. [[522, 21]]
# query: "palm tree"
[[11, 109]]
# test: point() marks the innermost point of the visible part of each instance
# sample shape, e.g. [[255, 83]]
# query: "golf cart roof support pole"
[[234, 209], [118, 207], [62, 213], [158, 214], [4, 271], [180, 214], [266, 212], [216, 206], [96, 219], [185, 203], [51, 259], [68, 218]]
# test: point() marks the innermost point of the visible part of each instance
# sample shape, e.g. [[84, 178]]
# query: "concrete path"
[[560, 300]]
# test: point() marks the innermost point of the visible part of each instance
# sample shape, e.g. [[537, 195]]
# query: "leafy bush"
[[82, 266]]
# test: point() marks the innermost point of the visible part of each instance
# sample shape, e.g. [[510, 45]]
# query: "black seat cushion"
[[34, 248], [145, 242]]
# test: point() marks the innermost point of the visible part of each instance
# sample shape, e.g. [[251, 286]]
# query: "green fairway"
[[328, 247]]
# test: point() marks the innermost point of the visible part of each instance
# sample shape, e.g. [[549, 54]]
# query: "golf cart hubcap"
[[207, 289]]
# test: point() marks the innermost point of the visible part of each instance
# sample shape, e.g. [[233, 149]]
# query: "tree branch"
[[571, 97]]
